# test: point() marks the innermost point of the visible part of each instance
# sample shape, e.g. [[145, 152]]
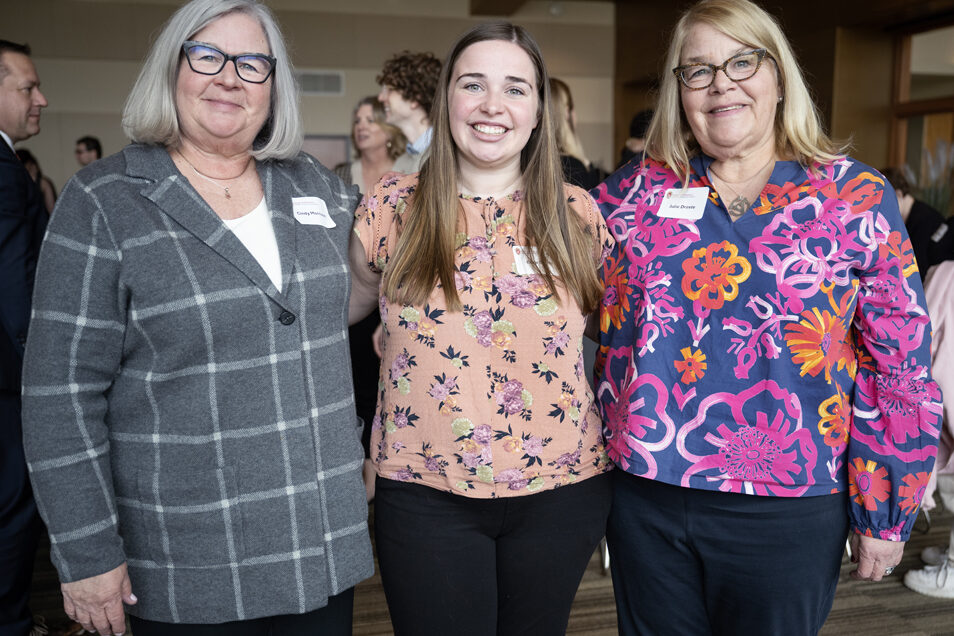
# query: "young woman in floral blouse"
[[490, 491]]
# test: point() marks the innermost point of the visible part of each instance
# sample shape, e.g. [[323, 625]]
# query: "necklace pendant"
[[227, 195]]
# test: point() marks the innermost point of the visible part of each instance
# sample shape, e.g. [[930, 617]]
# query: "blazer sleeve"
[[74, 350]]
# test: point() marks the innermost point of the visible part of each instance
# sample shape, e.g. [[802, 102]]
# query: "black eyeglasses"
[[737, 68], [205, 59]]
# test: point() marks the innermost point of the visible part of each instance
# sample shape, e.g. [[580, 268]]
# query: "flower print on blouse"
[[491, 401], [784, 354]]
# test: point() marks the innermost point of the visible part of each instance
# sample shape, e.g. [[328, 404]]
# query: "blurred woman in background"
[[577, 169], [379, 147]]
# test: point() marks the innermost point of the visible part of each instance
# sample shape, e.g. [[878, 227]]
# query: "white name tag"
[[311, 211], [521, 262], [684, 204]]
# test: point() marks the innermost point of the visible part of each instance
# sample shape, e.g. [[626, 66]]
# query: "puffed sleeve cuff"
[[892, 449]]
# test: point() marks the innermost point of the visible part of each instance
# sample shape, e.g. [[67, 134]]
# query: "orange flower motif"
[[912, 491], [713, 274], [502, 339], [819, 341], [692, 366], [480, 283], [901, 250], [835, 423], [616, 297], [512, 444], [506, 229], [867, 483]]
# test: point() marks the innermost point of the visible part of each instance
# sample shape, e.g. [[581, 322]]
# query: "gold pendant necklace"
[[213, 181]]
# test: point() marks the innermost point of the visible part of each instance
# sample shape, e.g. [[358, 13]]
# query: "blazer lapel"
[[175, 196], [279, 204]]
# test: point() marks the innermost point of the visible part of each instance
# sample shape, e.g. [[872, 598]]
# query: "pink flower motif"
[[484, 338], [439, 391], [461, 280], [809, 244], [514, 479], [750, 454], [483, 434], [900, 398], [893, 533], [483, 320], [523, 299], [511, 284], [748, 450], [533, 446], [630, 435]]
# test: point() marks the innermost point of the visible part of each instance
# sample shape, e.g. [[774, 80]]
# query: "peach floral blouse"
[[491, 401]]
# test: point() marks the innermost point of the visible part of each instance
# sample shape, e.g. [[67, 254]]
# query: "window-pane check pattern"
[[183, 414]]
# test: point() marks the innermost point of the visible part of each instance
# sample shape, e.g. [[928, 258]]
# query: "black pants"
[[457, 565], [334, 619], [20, 526], [689, 562]]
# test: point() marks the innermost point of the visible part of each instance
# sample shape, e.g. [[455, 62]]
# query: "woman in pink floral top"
[[486, 440]]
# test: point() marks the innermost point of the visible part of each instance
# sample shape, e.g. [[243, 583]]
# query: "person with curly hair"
[[408, 81]]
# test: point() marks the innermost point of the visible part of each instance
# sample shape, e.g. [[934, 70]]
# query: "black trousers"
[[689, 562], [457, 565], [20, 526], [334, 619]]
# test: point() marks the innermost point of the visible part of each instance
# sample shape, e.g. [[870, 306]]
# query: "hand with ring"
[[876, 558]]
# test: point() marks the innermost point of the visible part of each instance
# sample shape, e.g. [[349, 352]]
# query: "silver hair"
[[150, 113]]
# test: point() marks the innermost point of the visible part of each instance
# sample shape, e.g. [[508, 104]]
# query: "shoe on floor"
[[934, 555], [39, 627], [934, 580]]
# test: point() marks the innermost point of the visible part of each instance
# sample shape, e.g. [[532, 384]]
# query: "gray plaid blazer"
[[182, 414]]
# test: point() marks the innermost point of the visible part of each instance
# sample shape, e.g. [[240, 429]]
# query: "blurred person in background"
[[408, 81], [378, 146], [88, 150], [932, 238], [45, 184], [577, 169]]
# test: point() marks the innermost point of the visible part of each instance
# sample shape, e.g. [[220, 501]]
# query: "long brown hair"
[[424, 254]]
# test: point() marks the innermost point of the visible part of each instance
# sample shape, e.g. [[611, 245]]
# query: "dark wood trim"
[[900, 91], [495, 7], [925, 107]]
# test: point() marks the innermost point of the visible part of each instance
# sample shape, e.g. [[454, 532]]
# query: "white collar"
[[6, 138]]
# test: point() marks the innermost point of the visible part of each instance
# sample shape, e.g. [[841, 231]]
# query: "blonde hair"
[[798, 131], [424, 254], [397, 142], [567, 139]]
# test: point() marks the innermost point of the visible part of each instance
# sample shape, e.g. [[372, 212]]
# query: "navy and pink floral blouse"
[[784, 354]]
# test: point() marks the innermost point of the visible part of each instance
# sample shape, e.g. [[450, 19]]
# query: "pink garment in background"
[[939, 290]]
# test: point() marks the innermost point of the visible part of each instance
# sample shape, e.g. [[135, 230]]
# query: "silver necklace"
[[740, 204], [213, 181]]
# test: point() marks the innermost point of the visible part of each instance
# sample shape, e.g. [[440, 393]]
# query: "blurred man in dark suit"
[[22, 223]]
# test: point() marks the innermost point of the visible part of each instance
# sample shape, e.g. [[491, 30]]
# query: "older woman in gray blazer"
[[192, 447]]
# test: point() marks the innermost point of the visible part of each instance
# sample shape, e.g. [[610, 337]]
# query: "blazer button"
[[21, 338], [286, 318]]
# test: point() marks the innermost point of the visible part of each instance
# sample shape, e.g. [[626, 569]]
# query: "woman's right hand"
[[96, 602]]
